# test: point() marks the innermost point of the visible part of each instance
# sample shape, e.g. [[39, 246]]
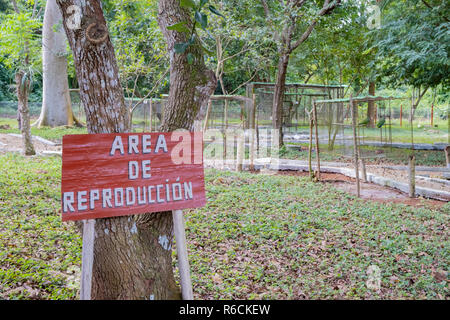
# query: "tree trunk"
[[132, 255], [371, 110], [191, 84], [22, 87], [56, 105], [278, 96]]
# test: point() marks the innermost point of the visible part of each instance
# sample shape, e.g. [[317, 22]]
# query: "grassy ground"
[[259, 237]]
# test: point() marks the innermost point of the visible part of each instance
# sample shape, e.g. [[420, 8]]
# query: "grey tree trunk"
[[22, 88], [191, 85], [278, 96], [132, 255], [56, 105]]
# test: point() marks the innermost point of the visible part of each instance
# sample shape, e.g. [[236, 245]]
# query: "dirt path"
[[369, 191], [10, 143]]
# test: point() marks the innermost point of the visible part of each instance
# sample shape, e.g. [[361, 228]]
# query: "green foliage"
[[40, 255], [413, 44], [199, 18], [6, 78], [283, 237], [140, 47], [20, 41], [258, 237]]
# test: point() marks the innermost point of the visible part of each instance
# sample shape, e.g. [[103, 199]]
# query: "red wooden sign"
[[107, 175]]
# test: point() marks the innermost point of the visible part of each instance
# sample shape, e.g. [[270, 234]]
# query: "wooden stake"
[[363, 166], [355, 147], [151, 114], [253, 133], [401, 114], [183, 262], [205, 125], [87, 259], [412, 176], [317, 139], [432, 112], [240, 152], [226, 127], [310, 146], [447, 155]]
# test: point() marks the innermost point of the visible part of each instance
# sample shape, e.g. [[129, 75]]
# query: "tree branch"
[[16, 8], [431, 7], [327, 8], [152, 90]]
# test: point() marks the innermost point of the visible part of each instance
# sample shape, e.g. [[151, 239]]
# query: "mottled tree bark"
[[191, 84], [278, 96], [56, 105], [22, 88], [132, 255]]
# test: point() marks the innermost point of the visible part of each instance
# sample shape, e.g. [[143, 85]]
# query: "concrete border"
[[38, 138]]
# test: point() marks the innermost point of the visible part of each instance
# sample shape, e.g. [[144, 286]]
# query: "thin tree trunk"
[[371, 109], [22, 87], [132, 255], [191, 84], [278, 96]]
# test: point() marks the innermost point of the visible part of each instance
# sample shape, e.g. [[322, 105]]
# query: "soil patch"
[[369, 191], [10, 143]]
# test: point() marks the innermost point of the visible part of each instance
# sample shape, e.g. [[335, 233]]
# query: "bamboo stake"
[[432, 113], [208, 110], [401, 114], [240, 152], [253, 133], [447, 155], [355, 147], [412, 176], [317, 139], [310, 147], [225, 120], [151, 114]]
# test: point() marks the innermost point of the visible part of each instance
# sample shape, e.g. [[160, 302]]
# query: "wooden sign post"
[[109, 175]]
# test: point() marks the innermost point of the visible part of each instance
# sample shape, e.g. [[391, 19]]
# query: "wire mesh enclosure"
[[344, 130], [297, 103]]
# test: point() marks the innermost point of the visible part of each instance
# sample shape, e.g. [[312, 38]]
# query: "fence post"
[[412, 176], [355, 146]]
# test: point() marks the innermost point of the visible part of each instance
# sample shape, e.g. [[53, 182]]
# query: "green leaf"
[[202, 3], [181, 47], [215, 11], [180, 26], [202, 19], [190, 58], [187, 4]]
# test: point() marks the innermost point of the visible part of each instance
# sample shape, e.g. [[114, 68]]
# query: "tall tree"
[[56, 105], [129, 260], [290, 15], [413, 47]]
